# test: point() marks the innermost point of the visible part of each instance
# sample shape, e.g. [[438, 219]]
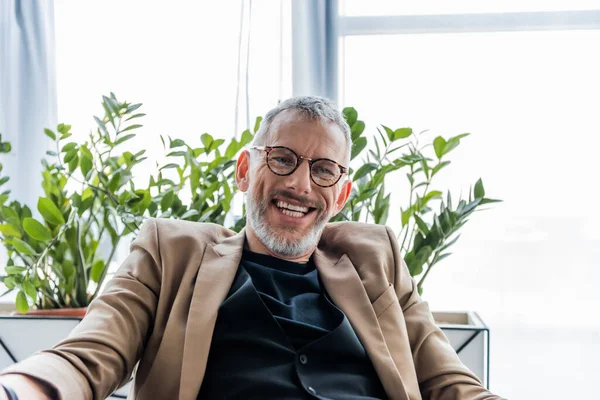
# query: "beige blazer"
[[160, 309]]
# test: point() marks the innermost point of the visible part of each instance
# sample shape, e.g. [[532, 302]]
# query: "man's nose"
[[299, 181]]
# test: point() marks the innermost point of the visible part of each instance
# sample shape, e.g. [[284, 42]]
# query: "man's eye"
[[324, 172], [283, 160]]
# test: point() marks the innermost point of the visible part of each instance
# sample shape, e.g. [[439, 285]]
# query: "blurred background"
[[521, 76]]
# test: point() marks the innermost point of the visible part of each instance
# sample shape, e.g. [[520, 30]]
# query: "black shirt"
[[294, 295]]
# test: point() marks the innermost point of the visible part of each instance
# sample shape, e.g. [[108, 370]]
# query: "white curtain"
[[27, 92]]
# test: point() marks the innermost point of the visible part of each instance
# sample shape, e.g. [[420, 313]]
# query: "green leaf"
[[206, 139], [169, 166], [489, 201], [167, 200], [67, 147], [351, 115], [97, 270], [405, 216], [101, 125], [257, 124], [364, 170], [385, 143], [10, 216], [190, 213], [135, 116], [176, 143], [36, 230], [431, 195], [357, 130], [86, 165], [9, 282], [22, 247], [14, 270], [177, 154], [358, 146], [130, 127], [440, 258], [215, 144], [70, 156], [421, 224], [452, 143], [132, 107], [10, 230], [124, 138], [246, 138], [232, 149], [438, 144], [50, 212], [74, 163], [389, 132], [29, 289], [63, 128], [479, 191], [402, 133], [438, 167], [68, 268], [21, 302], [50, 134]]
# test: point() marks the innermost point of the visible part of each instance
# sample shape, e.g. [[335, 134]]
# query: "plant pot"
[[470, 338], [57, 312]]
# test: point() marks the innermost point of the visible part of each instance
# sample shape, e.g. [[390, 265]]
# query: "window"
[[529, 99]]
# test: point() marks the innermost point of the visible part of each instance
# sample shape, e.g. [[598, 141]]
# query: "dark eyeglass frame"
[[299, 159]]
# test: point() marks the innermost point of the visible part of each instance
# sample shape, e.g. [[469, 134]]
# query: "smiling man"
[[290, 308]]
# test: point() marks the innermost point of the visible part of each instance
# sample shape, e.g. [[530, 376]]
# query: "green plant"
[[426, 235], [91, 201]]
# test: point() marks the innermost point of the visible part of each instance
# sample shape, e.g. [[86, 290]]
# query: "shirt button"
[[311, 391], [303, 359]]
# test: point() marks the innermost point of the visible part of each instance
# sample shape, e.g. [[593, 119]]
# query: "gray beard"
[[255, 215]]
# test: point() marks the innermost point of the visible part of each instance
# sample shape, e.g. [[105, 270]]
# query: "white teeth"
[[283, 204], [292, 213]]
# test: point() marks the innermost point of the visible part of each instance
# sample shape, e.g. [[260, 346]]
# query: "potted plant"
[[91, 205]]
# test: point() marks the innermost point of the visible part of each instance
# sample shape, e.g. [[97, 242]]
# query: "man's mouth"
[[292, 210]]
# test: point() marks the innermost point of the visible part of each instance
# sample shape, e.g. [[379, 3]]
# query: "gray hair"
[[309, 107]]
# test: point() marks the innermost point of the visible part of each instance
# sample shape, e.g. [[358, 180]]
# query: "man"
[[290, 308]]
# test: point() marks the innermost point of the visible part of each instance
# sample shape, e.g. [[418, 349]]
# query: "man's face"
[[270, 196]]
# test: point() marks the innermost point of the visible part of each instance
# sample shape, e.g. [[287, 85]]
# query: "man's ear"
[[242, 171], [343, 196]]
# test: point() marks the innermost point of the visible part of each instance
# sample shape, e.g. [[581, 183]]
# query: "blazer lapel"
[[347, 291], [214, 279]]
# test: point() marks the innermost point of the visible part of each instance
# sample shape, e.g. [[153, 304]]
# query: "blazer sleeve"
[[441, 374], [100, 353]]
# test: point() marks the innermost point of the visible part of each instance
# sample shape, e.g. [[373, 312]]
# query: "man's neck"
[[256, 246]]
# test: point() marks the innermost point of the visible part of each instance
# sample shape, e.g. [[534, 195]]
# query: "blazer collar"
[[213, 281]]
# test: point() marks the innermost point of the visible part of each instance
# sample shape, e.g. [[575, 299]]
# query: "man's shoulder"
[[358, 237], [359, 229], [177, 230], [368, 246]]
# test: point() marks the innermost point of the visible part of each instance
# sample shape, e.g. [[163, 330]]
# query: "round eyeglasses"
[[284, 161]]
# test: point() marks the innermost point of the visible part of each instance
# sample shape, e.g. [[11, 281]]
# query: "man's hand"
[[25, 387]]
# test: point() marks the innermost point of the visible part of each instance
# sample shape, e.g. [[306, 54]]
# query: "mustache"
[[301, 199]]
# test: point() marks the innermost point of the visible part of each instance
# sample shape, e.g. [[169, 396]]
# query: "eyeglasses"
[[284, 161]]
